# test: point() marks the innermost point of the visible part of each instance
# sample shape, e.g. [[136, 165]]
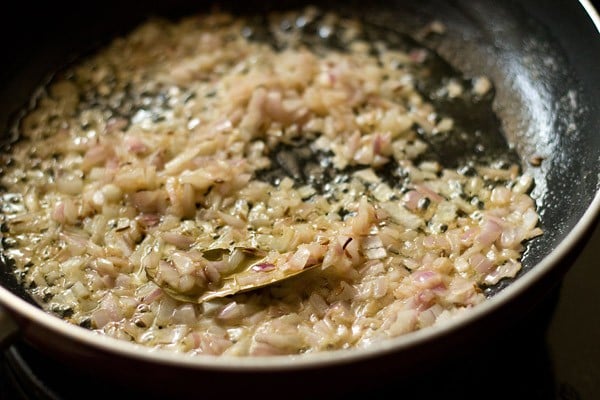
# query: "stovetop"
[[552, 354]]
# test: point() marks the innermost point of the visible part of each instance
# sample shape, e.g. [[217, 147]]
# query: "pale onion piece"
[[523, 184], [212, 274], [214, 344], [334, 254], [275, 344], [58, 213], [507, 270], [530, 220], [403, 322], [461, 264], [98, 199], [135, 144], [445, 213], [463, 291], [183, 263], [383, 192], [199, 179], [428, 317], [282, 110], [402, 216], [373, 268], [299, 259], [382, 144], [131, 179], [468, 236], [223, 125], [183, 160], [346, 292], [431, 241], [72, 265], [375, 253], [427, 279], [164, 315], [500, 195], [454, 88], [317, 252], [123, 281], [111, 305], [426, 191], [96, 155], [168, 273], [365, 217], [367, 175], [379, 160], [202, 178], [236, 258], [111, 192], [232, 311], [395, 122], [534, 232], [148, 220], [364, 155], [232, 220], [186, 283], [411, 200], [105, 267], [80, 290], [177, 239], [188, 201], [421, 118], [443, 265], [156, 294], [70, 211], [372, 246], [95, 282], [255, 113], [70, 184], [430, 166], [453, 239], [170, 335], [306, 191], [116, 124], [497, 173], [481, 263], [380, 287], [100, 318], [446, 124], [184, 314], [318, 304], [148, 201], [489, 233], [522, 202], [325, 329], [481, 85]]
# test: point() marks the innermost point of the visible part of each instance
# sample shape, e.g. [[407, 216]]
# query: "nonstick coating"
[[543, 57]]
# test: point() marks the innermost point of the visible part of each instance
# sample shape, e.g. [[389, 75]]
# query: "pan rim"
[[328, 358]]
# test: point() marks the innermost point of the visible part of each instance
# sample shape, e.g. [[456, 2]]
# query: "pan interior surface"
[[544, 91]]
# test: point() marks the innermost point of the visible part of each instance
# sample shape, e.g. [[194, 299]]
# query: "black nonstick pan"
[[544, 60]]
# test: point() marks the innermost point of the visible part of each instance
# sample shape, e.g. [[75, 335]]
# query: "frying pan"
[[544, 59]]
